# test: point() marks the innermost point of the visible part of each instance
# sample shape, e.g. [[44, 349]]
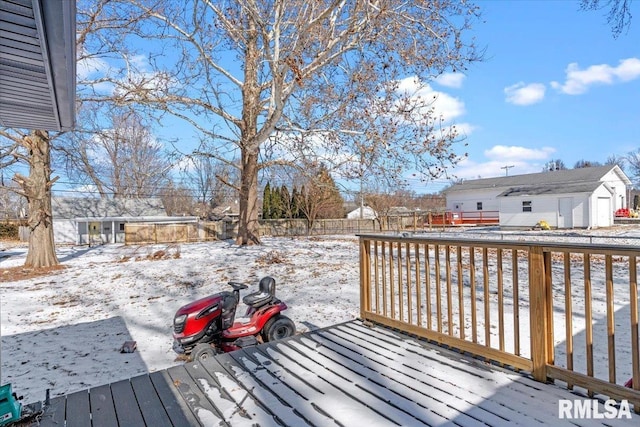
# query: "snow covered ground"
[[63, 331]]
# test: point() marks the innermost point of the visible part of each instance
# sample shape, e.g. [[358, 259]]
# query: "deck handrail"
[[475, 294]]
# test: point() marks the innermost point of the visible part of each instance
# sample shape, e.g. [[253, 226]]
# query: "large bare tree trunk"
[[249, 229], [37, 190]]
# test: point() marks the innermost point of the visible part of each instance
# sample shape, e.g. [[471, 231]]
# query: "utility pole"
[[506, 168]]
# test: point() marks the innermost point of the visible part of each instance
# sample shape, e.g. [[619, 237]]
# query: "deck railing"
[[561, 311]]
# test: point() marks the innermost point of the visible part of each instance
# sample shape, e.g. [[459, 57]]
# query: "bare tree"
[[319, 197], [243, 71], [382, 203], [116, 154], [12, 205], [177, 200], [633, 166], [586, 164], [613, 159], [618, 14], [554, 165], [33, 149]]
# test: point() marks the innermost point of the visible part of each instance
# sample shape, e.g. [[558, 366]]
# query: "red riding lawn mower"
[[207, 327]]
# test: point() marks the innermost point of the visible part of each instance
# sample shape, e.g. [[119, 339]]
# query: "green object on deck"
[[10, 408]]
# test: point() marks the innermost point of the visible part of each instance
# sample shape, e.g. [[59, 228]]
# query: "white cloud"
[[525, 94], [579, 81], [519, 160], [453, 80], [516, 153], [444, 105]]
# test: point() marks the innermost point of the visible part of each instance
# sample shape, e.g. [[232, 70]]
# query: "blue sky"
[[554, 84]]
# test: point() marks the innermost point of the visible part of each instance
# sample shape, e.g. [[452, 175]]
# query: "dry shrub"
[[273, 257]]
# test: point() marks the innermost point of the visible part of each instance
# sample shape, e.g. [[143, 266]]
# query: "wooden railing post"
[[538, 314], [365, 277]]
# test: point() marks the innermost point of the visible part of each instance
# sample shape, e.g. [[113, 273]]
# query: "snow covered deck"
[[347, 374]]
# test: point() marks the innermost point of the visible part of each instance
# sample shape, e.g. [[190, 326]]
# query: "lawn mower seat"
[[266, 293]]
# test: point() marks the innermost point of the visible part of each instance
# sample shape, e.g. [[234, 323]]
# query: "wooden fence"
[[561, 311], [137, 233], [145, 233]]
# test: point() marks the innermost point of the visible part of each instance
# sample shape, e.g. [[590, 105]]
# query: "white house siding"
[[543, 208], [601, 204], [617, 185], [467, 201], [64, 231]]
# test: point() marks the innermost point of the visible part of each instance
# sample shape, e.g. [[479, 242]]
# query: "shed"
[[364, 212], [573, 198], [95, 220]]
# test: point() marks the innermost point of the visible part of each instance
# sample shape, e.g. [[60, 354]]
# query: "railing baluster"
[[418, 285], [500, 302], [438, 293], [427, 274], [516, 303], [568, 313], [588, 316], [487, 306], [365, 278], [460, 291], [611, 331], [449, 302], [409, 284], [383, 261], [548, 286], [633, 306], [376, 273], [400, 282], [392, 290], [472, 282]]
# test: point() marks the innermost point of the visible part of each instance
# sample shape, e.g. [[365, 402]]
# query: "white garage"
[[572, 198]]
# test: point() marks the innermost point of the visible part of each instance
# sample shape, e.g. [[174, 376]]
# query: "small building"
[[572, 198], [95, 220]]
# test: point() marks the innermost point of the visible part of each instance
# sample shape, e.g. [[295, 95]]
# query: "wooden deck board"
[[176, 408], [127, 409], [203, 408], [149, 402], [341, 375], [103, 410], [77, 409]]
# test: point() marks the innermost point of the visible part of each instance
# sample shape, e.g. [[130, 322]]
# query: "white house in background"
[[94, 220], [367, 213], [572, 198]]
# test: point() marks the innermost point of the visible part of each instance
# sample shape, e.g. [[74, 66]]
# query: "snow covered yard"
[[63, 331]]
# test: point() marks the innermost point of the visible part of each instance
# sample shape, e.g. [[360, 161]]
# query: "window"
[[526, 206], [122, 226], [479, 206]]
